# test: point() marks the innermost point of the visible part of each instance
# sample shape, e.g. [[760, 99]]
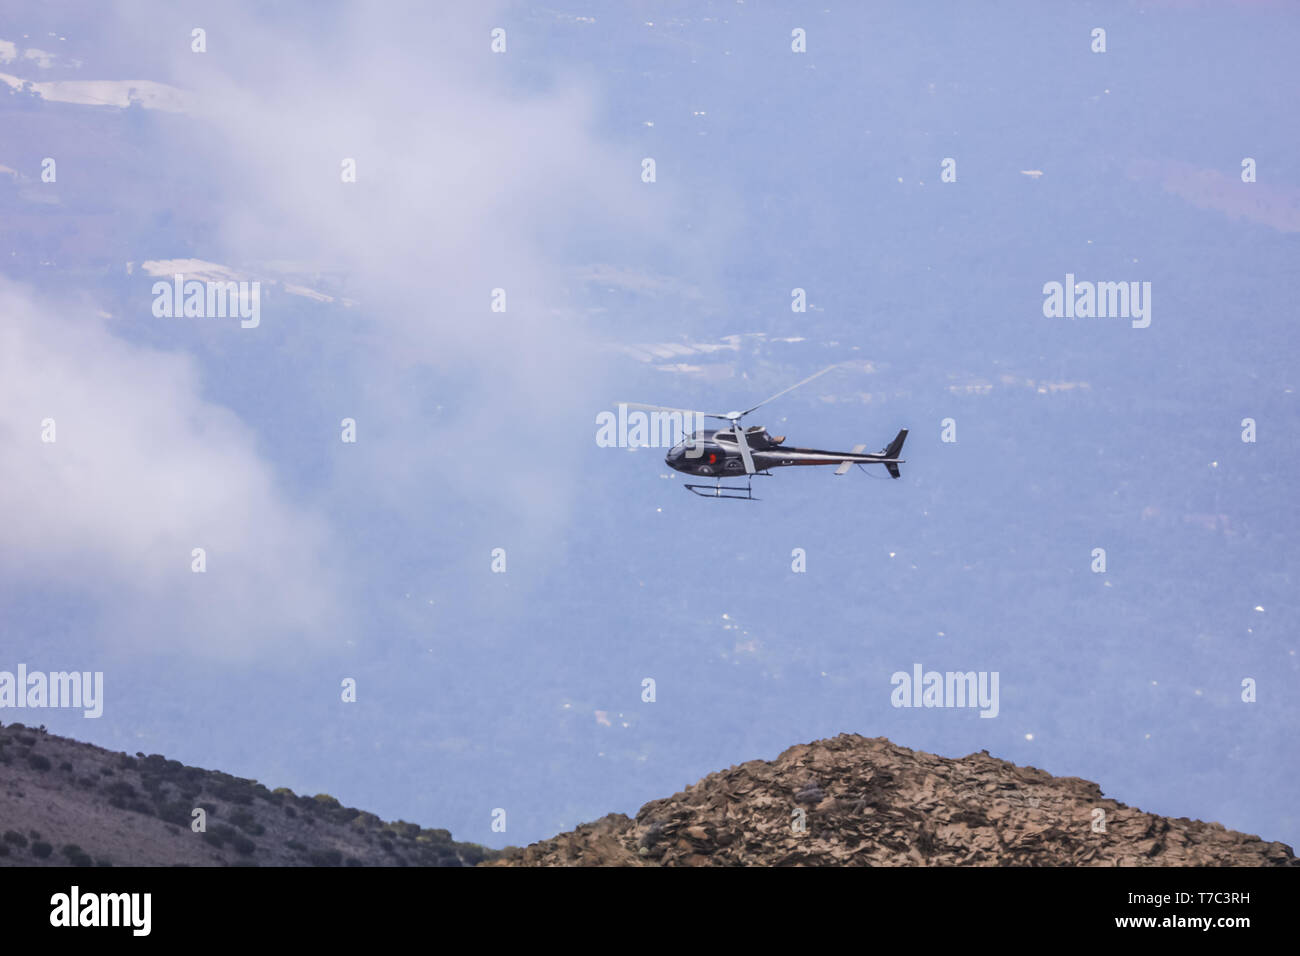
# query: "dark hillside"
[[64, 802]]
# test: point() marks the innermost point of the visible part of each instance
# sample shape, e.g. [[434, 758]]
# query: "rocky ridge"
[[858, 801]]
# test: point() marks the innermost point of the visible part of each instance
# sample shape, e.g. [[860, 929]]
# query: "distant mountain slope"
[[63, 802], [867, 802]]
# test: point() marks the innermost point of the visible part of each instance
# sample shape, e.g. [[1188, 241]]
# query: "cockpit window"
[[693, 450]]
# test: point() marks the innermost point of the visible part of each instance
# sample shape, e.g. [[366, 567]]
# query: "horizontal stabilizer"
[[844, 467]]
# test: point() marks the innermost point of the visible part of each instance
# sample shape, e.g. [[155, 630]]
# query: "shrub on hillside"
[[178, 813], [247, 822], [222, 833], [37, 762], [234, 791], [408, 831], [243, 844], [41, 849], [345, 814], [472, 853]]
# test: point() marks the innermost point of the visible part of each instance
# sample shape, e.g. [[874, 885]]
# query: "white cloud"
[[142, 471], [42, 58], [120, 93], [215, 272], [192, 269], [467, 181]]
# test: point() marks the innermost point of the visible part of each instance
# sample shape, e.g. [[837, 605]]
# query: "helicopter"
[[736, 450]]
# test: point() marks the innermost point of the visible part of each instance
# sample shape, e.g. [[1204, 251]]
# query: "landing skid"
[[719, 490]]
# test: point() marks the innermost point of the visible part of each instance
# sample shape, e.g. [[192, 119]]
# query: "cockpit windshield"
[[691, 448]]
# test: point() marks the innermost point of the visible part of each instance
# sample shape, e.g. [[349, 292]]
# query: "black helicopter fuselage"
[[714, 454]]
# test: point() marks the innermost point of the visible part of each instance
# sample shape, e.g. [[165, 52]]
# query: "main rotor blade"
[[664, 408], [743, 441], [790, 389]]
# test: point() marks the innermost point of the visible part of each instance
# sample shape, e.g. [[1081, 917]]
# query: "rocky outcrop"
[[857, 801]]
